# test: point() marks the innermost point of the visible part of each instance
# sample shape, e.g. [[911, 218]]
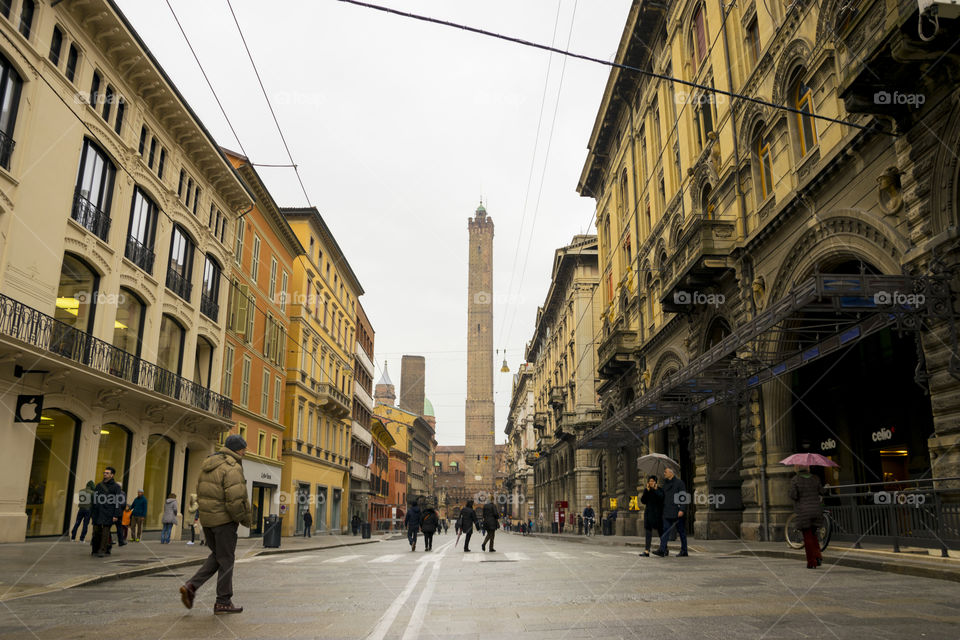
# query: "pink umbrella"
[[809, 460]]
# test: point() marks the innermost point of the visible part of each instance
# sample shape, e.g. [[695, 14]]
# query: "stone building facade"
[[362, 448], [757, 261], [117, 213], [521, 447], [562, 353]]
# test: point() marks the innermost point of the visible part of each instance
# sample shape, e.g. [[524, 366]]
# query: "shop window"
[[50, 488], [157, 476], [114, 451]]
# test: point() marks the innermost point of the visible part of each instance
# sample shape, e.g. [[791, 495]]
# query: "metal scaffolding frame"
[[818, 317]]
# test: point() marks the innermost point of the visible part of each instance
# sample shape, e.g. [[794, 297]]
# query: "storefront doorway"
[[261, 496], [335, 510], [303, 505], [157, 476], [51, 485], [321, 519]]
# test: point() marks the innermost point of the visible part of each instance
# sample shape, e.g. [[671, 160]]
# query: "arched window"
[[624, 208], [128, 326], [706, 207], [203, 362], [170, 346], [763, 174], [210, 295], [10, 87], [803, 101], [698, 36], [77, 293]]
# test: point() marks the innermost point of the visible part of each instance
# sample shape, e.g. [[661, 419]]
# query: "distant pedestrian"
[[125, 524], [428, 524], [652, 498], [805, 491], [169, 518], [491, 522], [84, 502], [446, 524], [193, 517], [307, 523], [105, 512], [355, 524], [589, 516], [466, 522], [562, 520], [412, 522], [579, 524], [675, 501], [139, 515], [222, 495]]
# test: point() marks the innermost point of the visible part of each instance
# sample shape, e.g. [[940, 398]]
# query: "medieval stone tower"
[[479, 456]]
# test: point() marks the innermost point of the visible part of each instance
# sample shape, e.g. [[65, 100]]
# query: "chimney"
[[412, 370]]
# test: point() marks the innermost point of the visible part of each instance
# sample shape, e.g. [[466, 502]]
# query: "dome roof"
[[428, 408]]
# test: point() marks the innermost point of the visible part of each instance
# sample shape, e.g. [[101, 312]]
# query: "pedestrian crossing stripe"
[[341, 559], [296, 559], [516, 555], [387, 558], [598, 554], [474, 558], [559, 555]]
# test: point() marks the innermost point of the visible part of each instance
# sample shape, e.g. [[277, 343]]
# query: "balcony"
[[334, 402], [90, 217], [540, 419], [557, 396], [361, 433], [139, 254], [365, 360], [178, 284], [209, 306], [359, 472], [43, 332], [701, 258], [616, 352], [6, 150], [365, 398]]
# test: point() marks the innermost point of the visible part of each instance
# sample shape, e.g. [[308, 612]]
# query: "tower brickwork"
[[479, 453]]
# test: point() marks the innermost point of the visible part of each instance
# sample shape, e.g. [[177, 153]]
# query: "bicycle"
[[588, 527], [794, 535]]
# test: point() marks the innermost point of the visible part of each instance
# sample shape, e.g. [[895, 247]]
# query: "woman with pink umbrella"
[[806, 491]]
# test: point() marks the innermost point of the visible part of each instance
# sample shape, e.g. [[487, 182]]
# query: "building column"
[[944, 445], [16, 456]]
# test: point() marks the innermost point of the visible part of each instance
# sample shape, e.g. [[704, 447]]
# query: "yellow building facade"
[[320, 356]]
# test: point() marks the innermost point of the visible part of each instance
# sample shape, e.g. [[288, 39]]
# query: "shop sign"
[[29, 408], [265, 476], [828, 445], [882, 435]]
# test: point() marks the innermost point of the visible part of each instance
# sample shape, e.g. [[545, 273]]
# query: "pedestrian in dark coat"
[[652, 498], [307, 524], [84, 502], [412, 522], [466, 522], [446, 525], [675, 501], [428, 524], [491, 522], [106, 511], [355, 524], [805, 491]]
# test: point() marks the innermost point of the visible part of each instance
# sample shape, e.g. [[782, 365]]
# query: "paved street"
[[531, 588]]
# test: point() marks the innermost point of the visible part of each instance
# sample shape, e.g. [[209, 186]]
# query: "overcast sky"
[[399, 127]]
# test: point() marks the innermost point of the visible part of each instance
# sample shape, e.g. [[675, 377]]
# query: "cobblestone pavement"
[[530, 588]]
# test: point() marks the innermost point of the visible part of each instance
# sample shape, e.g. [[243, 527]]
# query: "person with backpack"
[[412, 522], [466, 521], [84, 502], [429, 523]]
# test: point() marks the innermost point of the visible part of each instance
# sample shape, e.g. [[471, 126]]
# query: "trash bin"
[[365, 529], [271, 531], [554, 527]]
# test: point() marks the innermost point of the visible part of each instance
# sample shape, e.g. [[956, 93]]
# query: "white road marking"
[[559, 555], [601, 555], [341, 559], [516, 555], [390, 557], [472, 558], [296, 559], [415, 626]]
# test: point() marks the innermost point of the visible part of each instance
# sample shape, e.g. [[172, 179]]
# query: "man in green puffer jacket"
[[222, 498]]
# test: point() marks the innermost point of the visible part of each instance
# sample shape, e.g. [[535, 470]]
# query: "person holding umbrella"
[[652, 499], [675, 501], [805, 491]]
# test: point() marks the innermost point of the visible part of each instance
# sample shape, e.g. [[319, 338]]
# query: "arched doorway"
[[51, 485], [157, 476], [114, 451]]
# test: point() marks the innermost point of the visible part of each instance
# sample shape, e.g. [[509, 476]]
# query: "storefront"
[[263, 483]]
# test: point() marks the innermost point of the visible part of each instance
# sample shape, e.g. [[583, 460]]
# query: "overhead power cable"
[[606, 63]]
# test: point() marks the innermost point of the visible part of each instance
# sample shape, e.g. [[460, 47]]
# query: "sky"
[[398, 128]]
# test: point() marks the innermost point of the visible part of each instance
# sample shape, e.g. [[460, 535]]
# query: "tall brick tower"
[[479, 455]]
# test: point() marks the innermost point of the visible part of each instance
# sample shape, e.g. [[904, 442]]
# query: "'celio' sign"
[[882, 435]]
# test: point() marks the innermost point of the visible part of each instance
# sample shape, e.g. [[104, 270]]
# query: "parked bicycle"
[[794, 535]]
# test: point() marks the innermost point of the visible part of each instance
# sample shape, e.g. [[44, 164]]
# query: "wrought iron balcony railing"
[[139, 254], [178, 284], [39, 330], [90, 217], [6, 150]]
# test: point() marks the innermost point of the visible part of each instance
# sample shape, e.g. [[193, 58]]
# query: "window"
[[95, 89], [181, 263], [143, 140], [273, 446], [761, 146], [255, 262], [623, 207], [163, 161], [196, 198], [238, 247], [108, 99], [56, 46], [803, 100], [273, 280], [73, 56], [76, 297], [242, 430], [153, 152], [704, 116], [753, 42], [10, 85], [5, 6], [143, 228], [203, 362], [261, 443], [265, 392], [300, 422], [706, 207], [227, 386], [277, 386], [180, 183], [210, 295], [94, 190], [170, 349], [121, 111], [26, 17], [245, 382], [189, 192], [128, 325], [284, 282], [699, 36]]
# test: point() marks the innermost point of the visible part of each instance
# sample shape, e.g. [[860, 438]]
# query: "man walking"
[[307, 523], [222, 497], [491, 522], [466, 521], [84, 502], [675, 501], [138, 516], [428, 524], [105, 512], [412, 522]]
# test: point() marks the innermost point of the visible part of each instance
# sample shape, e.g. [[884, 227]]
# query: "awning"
[[818, 317]]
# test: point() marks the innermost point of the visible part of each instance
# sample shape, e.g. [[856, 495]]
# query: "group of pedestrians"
[[424, 521], [665, 505]]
